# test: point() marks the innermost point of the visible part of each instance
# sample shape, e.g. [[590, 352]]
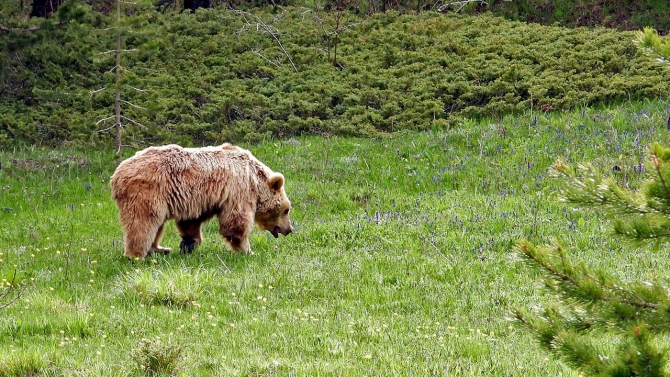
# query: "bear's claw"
[[159, 249]]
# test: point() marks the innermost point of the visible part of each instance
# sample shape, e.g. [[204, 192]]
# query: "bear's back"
[[193, 167]]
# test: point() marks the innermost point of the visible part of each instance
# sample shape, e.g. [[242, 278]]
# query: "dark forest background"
[[619, 14]]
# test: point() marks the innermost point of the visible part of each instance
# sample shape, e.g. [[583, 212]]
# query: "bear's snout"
[[276, 230]]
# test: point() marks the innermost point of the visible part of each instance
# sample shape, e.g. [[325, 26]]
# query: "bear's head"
[[272, 212]]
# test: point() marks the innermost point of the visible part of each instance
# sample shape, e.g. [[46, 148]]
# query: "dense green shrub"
[[216, 75]]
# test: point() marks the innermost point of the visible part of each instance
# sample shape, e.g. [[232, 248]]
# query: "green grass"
[[400, 263]]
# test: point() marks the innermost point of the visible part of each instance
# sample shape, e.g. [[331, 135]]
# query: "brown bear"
[[191, 186]]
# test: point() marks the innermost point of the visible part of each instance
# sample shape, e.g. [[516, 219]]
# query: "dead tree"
[[333, 35], [118, 115]]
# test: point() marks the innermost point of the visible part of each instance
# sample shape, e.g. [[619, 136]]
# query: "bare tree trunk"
[[117, 100], [337, 15], [372, 8]]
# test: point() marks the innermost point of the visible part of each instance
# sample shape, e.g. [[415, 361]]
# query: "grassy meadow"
[[400, 265]]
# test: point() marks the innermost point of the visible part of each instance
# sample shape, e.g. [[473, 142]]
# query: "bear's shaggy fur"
[[191, 186]]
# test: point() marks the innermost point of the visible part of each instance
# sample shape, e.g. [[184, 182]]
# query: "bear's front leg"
[[239, 244], [235, 227]]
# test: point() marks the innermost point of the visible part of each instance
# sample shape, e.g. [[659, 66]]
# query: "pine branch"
[[104, 120], [641, 215], [460, 3], [92, 92], [137, 89], [117, 51], [544, 330], [650, 227], [133, 121], [559, 332], [579, 281], [22, 30], [657, 164], [584, 186], [631, 314], [580, 352], [626, 311], [652, 44]]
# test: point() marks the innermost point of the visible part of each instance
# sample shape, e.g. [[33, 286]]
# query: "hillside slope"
[[220, 75]]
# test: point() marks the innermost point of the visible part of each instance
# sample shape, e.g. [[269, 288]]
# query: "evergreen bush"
[[214, 75]]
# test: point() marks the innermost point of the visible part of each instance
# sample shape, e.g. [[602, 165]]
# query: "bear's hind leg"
[[139, 236], [155, 246], [191, 235]]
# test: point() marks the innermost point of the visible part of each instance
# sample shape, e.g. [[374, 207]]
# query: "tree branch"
[[104, 119], [115, 51], [20, 30], [137, 89], [134, 122], [92, 92], [461, 4], [267, 28], [26, 30], [133, 105], [10, 290], [255, 52], [657, 164]]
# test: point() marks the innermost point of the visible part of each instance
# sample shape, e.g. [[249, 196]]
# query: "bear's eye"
[[286, 211]]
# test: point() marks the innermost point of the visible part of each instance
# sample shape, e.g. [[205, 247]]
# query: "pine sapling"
[[600, 325]]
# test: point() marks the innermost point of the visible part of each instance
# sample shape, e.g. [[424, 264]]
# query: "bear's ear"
[[276, 181]]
